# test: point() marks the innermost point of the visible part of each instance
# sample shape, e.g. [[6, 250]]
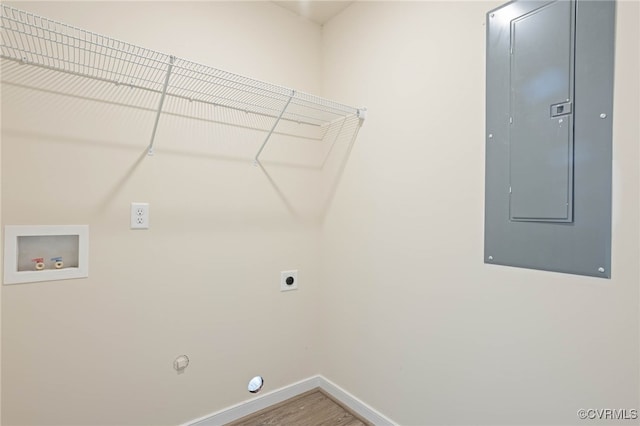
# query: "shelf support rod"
[[164, 92], [256, 160]]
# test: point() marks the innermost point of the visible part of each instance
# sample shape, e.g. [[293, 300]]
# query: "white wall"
[[395, 305], [416, 325], [204, 280], [1, 255]]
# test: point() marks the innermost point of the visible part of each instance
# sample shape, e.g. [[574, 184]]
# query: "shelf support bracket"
[[164, 92], [335, 139], [256, 160]]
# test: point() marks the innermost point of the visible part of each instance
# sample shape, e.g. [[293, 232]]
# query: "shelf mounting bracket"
[[164, 92], [256, 160]]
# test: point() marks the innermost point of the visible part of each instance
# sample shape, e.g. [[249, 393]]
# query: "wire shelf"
[[39, 41]]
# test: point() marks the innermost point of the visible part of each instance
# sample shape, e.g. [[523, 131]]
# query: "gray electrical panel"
[[548, 135]]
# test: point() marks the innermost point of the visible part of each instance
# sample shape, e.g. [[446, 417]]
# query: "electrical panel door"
[[541, 123], [549, 110]]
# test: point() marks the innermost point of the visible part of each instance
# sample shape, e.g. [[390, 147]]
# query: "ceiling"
[[317, 11]]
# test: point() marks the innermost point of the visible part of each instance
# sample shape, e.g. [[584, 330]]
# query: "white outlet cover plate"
[[283, 280], [139, 215]]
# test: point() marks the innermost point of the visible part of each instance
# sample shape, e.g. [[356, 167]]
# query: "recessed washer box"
[[34, 253]]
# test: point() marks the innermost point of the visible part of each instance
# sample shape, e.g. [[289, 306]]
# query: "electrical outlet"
[[289, 280], [139, 215]]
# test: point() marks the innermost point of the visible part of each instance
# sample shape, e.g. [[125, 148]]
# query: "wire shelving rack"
[[39, 41]]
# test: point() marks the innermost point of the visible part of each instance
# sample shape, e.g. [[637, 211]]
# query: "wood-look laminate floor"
[[313, 408]]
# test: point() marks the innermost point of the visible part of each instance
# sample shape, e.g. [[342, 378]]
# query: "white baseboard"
[[353, 403], [251, 406]]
